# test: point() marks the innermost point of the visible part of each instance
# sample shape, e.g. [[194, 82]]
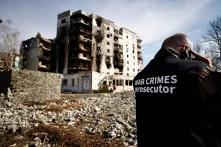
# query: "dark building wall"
[[36, 54]]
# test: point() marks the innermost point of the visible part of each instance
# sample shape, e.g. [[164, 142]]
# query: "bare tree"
[[213, 37], [9, 39]]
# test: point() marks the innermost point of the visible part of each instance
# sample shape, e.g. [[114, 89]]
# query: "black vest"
[[172, 102]]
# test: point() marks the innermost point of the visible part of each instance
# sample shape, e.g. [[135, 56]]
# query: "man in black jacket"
[[174, 104]]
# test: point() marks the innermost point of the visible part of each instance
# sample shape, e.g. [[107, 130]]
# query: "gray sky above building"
[[152, 20]]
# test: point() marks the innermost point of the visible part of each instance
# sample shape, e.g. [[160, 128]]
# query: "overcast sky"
[[152, 20]]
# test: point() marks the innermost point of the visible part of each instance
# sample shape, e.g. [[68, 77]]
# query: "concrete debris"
[[104, 114]]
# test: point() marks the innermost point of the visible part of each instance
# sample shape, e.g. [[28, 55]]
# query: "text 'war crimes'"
[[158, 84]]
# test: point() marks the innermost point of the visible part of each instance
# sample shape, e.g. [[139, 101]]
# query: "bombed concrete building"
[[92, 51], [36, 54]]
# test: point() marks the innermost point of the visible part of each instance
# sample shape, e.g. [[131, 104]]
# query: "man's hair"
[[176, 40]]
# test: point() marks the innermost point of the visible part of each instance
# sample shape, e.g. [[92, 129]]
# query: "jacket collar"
[[166, 53]]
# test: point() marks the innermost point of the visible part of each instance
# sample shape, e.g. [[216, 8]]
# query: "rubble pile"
[[112, 116]]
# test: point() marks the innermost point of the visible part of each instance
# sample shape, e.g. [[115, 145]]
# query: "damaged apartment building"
[[36, 54], [90, 51]]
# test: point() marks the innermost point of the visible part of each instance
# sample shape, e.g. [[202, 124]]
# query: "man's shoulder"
[[189, 65]]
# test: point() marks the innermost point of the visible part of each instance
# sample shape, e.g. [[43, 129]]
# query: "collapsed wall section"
[[35, 86]]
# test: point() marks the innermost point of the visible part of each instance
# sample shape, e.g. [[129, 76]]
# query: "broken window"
[[128, 69], [113, 82], [127, 56], [108, 35], [63, 21], [127, 82], [127, 74], [133, 69], [115, 38], [108, 43], [108, 62], [108, 50], [127, 36], [108, 28], [127, 62]]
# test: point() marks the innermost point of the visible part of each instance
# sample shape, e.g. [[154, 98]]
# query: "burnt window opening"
[[73, 82], [130, 83], [133, 51], [104, 82], [84, 55], [108, 28], [98, 62], [127, 74], [127, 56], [108, 43], [133, 69], [63, 21], [126, 82], [127, 62], [115, 38], [128, 69], [108, 66], [113, 82], [98, 50], [64, 82], [99, 21], [108, 62], [108, 50], [127, 36], [108, 35]]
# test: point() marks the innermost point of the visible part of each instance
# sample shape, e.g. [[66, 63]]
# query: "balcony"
[[138, 45], [121, 62], [83, 48], [81, 21], [43, 66], [83, 31], [139, 50], [44, 57], [84, 39]]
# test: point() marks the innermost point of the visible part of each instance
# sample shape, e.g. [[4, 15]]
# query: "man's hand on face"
[[201, 58]]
